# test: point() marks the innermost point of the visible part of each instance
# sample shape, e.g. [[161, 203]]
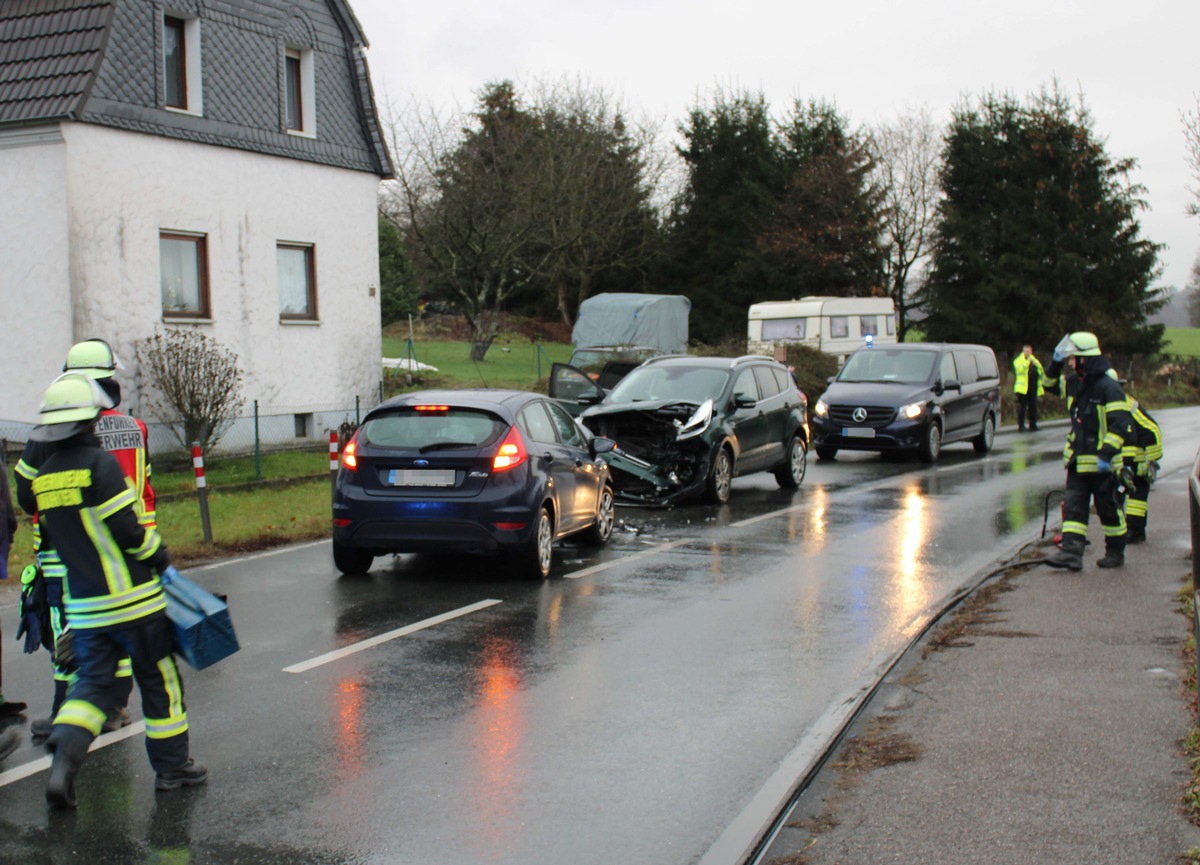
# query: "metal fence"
[[267, 429]]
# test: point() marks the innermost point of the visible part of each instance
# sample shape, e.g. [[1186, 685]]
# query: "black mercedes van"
[[910, 397]]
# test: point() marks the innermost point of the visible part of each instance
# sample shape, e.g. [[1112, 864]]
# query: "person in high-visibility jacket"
[[1100, 426], [127, 439], [115, 570], [1141, 452], [1028, 376]]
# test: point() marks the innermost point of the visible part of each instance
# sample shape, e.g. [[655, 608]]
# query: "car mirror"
[[953, 384], [743, 401], [601, 445], [589, 398], [831, 379]]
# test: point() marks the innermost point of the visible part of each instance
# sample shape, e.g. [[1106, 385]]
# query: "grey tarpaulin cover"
[[616, 318]]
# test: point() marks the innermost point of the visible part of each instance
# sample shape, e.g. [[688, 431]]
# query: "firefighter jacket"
[[86, 507], [126, 439], [1100, 420], [1145, 445], [1024, 369]]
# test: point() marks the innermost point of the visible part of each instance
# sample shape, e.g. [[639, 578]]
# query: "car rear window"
[[413, 428], [881, 365]]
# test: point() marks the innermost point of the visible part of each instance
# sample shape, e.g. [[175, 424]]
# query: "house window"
[[298, 95], [181, 63], [183, 268], [297, 281]]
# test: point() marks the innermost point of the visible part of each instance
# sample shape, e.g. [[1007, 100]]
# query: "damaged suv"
[[686, 426]]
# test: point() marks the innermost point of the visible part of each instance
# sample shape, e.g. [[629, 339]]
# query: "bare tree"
[[907, 157], [196, 384], [1191, 136]]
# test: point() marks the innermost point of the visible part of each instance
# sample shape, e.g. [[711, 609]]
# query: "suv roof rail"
[[754, 357]]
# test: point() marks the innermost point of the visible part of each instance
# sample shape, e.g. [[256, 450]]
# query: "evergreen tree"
[[1039, 233], [397, 285]]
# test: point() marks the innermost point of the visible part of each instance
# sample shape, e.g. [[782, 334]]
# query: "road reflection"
[[499, 732], [911, 591]]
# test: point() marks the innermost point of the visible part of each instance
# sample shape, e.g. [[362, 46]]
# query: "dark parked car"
[[911, 396], [470, 471], [686, 426]]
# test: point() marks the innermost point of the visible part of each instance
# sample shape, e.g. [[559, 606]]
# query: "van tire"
[[930, 447], [983, 441]]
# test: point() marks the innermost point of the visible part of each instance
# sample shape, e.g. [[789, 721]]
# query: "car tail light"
[[512, 452], [509, 527], [341, 524], [350, 454]]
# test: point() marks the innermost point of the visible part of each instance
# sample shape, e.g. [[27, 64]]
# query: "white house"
[[189, 164]]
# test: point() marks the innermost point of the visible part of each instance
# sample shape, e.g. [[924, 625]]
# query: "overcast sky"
[[1137, 63]]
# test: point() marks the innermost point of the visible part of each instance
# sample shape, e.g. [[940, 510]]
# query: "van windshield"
[[882, 365]]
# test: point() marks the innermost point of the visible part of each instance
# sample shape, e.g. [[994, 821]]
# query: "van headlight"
[[698, 422], [821, 409], [912, 411]]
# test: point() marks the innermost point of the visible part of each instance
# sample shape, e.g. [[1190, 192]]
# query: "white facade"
[[79, 258]]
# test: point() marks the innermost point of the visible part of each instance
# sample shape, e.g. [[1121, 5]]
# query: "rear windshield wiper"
[[445, 446]]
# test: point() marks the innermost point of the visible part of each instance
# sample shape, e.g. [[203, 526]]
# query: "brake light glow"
[[512, 452], [438, 409], [509, 527], [350, 454], [341, 524]]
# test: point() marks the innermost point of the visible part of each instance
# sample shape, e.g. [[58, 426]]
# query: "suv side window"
[[947, 371], [744, 385], [783, 378], [567, 429], [967, 373], [537, 424], [767, 385]]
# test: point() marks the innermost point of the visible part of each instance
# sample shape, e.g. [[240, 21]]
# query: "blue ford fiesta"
[[470, 471]]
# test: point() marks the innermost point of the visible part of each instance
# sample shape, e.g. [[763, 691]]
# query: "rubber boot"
[[1114, 557], [1071, 554], [70, 746], [1135, 530]]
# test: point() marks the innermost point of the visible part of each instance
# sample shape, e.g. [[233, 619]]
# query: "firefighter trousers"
[[148, 644], [1137, 508], [1082, 489]]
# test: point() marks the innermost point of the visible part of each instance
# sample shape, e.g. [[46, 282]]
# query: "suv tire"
[[790, 474], [931, 443], [351, 561], [983, 441], [720, 478]]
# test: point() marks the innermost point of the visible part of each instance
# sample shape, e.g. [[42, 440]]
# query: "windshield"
[[881, 365], [683, 383]]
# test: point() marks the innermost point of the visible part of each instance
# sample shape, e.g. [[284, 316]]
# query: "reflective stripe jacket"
[[1145, 445], [1100, 421], [85, 505], [1023, 369]]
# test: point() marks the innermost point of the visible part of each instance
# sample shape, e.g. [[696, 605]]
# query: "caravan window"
[[783, 328], [839, 326], [868, 325]]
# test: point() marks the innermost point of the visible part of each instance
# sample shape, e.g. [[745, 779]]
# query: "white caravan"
[[835, 325]]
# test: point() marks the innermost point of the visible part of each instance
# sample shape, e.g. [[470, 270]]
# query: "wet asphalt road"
[[637, 707]]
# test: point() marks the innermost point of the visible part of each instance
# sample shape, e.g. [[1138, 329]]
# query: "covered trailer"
[[658, 321]]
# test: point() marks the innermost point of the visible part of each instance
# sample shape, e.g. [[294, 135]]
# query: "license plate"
[[421, 477], [858, 432]]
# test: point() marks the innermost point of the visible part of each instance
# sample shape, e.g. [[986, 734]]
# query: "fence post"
[[357, 419], [257, 447], [334, 444], [201, 491]]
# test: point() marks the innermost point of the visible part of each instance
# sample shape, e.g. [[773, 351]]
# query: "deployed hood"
[[605, 409]]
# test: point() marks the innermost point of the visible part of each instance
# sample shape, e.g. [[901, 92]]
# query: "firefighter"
[[125, 438], [1141, 454], [1028, 377], [1100, 426], [115, 568]]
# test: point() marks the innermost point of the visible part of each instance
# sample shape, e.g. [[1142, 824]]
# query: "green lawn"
[[509, 362], [1182, 341]]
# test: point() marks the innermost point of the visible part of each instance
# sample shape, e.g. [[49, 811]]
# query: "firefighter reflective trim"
[[1123, 405], [116, 572], [1136, 508], [124, 668], [1115, 441], [176, 722], [151, 541], [1070, 527], [61, 489], [25, 470], [120, 500], [118, 616], [78, 713], [1117, 531], [52, 566]]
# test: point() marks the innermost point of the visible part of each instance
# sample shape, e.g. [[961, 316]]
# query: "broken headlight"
[[698, 422]]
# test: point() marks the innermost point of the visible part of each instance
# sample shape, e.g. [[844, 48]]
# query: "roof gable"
[[49, 52]]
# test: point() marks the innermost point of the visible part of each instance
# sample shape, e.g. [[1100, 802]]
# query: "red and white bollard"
[[334, 458], [201, 490]]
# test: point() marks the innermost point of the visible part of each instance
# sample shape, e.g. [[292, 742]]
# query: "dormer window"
[[299, 116], [181, 64]]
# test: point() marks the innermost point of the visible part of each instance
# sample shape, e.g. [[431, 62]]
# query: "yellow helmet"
[[71, 403], [93, 358], [1081, 343]]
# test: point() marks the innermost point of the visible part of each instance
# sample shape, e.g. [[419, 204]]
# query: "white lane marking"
[[762, 518], [329, 657], [43, 763], [278, 551], [653, 551]]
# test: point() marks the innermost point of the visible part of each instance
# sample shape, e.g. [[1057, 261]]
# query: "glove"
[[1103, 466], [1128, 477], [33, 609], [64, 649], [168, 575]]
